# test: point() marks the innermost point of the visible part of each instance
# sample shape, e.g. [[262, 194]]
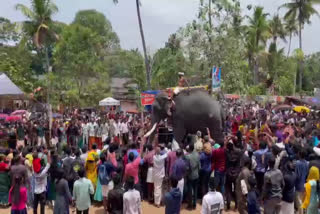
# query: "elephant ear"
[[156, 106], [156, 109]]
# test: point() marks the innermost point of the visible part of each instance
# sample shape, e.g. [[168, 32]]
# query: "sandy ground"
[[146, 209]]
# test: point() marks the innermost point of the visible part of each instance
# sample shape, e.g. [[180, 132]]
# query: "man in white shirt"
[[117, 127], [124, 130], [158, 174], [212, 202], [105, 131], [85, 133], [131, 199], [40, 189], [91, 131]]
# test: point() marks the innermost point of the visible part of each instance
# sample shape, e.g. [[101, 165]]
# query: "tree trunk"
[[300, 61], [209, 14], [289, 45], [146, 60], [295, 83], [48, 92], [255, 71]]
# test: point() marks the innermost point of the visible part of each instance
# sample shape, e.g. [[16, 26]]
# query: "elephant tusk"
[[152, 130]]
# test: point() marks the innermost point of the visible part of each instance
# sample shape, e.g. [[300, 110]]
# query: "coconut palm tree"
[[146, 58], [276, 29], [39, 20], [301, 10], [291, 27], [257, 35], [39, 27]]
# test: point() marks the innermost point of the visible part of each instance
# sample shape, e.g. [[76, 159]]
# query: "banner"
[[148, 97], [216, 79]]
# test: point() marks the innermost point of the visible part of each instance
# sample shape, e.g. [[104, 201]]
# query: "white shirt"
[[105, 129], [84, 156], [212, 203], [132, 202], [316, 150], [41, 180], [91, 129], [85, 129], [124, 128], [158, 165], [116, 128]]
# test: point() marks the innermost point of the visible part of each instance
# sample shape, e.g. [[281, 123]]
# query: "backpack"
[[103, 175]]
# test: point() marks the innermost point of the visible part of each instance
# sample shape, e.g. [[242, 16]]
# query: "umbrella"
[[109, 101], [282, 107], [301, 109], [18, 112], [3, 116], [13, 118]]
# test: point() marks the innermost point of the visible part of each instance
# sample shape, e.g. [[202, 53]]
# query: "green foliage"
[[312, 72], [8, 31], [276, 28], [87, 53], [166, 66], [301, 10], [16, 62], [256, 90], [78, 59], [38, 27], [98, 23]]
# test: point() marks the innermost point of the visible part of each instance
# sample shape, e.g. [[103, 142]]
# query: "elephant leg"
[[179, 132]]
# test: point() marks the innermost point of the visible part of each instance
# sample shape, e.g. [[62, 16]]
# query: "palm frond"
[[290, 14], [25, 11], [53, 8], [291, 5]]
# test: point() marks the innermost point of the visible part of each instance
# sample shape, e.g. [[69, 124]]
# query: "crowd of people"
[[268, 163]]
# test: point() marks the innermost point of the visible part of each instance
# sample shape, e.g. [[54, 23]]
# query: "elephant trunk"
[[151, 130]]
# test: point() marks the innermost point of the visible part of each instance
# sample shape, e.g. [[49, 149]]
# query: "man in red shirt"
[[219, 166], [132, 168]]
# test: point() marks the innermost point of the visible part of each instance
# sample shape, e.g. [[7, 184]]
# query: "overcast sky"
[[160, 18]]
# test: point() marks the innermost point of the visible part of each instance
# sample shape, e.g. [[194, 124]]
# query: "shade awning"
[[7, 87], [109, 101]]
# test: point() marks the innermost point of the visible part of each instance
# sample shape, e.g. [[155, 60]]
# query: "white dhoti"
[[157, 190], [41, 141], [180, 186], [150, 175]]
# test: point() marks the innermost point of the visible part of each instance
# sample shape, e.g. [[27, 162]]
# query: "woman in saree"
[[311, 200], [91, 167]]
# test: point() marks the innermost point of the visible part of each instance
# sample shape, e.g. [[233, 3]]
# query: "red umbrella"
[[3, 116], [18, 112], [13, 118]]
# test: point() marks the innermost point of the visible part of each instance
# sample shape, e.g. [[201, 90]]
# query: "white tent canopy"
[[7, 87], [109, 101]]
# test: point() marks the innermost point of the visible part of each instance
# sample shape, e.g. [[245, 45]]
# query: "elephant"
[[190, 111]]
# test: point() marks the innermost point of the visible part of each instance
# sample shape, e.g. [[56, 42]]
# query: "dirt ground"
[[146, 209]]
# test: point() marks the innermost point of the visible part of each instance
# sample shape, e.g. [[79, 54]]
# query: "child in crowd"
[[18, 197], [253, 197]]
